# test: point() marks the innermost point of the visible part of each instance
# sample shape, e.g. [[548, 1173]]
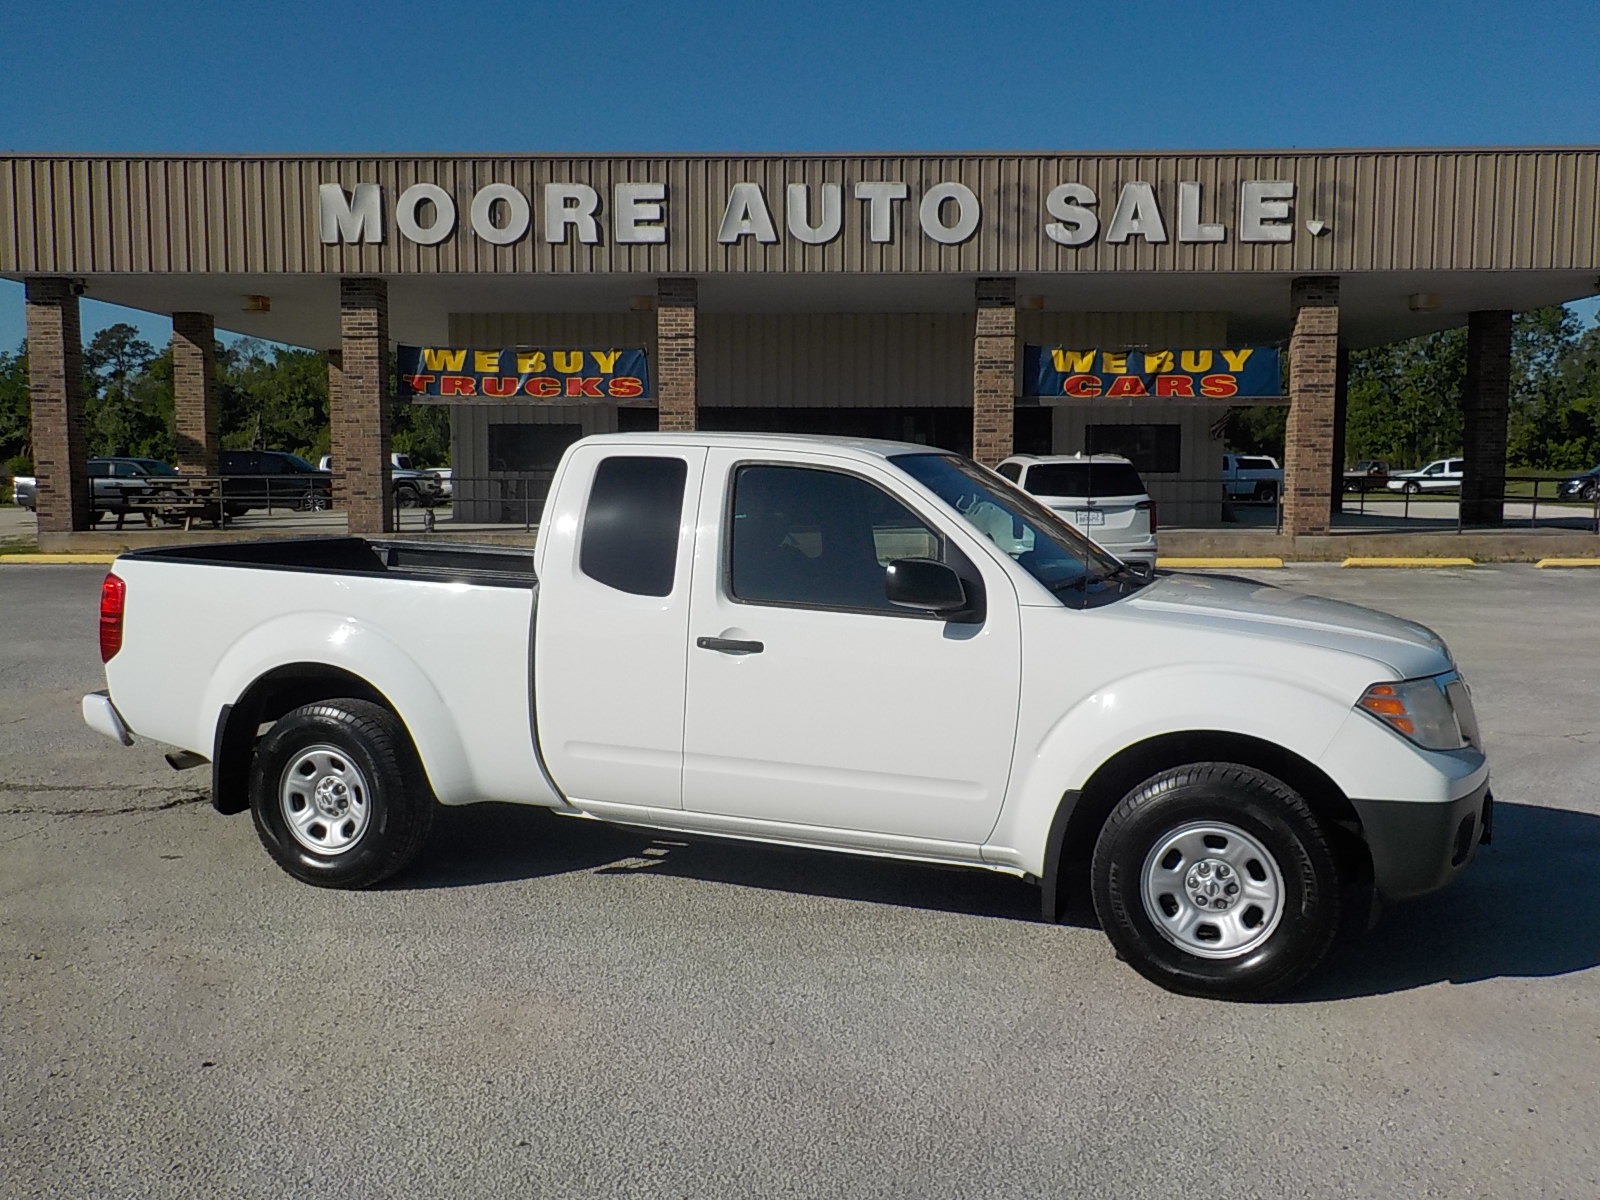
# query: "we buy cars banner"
[[451, 375], [1240, 374]]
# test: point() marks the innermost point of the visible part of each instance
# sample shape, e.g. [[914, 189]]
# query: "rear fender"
[[346, 644]]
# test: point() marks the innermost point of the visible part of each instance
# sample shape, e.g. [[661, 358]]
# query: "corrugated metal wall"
[[1386, 210]]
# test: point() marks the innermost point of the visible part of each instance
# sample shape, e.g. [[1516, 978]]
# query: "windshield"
[[1036, 539], [153, 466], [299, 463]]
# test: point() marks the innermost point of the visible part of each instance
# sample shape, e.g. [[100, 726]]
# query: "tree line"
[[1404, 400], [269, 397]]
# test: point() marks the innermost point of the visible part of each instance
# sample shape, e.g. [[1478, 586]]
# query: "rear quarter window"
[[630, 529]]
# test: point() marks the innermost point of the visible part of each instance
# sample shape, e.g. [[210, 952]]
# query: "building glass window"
[[1152, 449]]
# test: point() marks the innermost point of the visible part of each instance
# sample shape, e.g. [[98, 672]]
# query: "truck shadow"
[[1524, 909], [500, 843]]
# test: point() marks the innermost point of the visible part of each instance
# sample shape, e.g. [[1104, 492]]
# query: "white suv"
[[1100, 494]]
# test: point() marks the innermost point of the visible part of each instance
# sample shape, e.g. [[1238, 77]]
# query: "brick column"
[[1313, 383], [994, 370], [194, 391], [55, 385], [1484, 404], [335, 359], [358, 416], [1341, 413], [677, 386]]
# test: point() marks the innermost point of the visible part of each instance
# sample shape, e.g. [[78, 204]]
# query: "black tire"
[[1411, 488], [1186, 802], [1266, 491], [375, 759], [407, 496], [1590, 491]]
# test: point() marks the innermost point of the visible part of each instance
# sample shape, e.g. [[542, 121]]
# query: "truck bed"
[[461, 562]]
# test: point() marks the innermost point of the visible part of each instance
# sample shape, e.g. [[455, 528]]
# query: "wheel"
[[406, 496], [1411, 488], [1216, 880], [1266, 491], [338, 796], [1589, 492], [314, 502]]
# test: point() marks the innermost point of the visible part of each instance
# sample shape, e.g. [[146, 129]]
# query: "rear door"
[[612, 626], [813, 702]]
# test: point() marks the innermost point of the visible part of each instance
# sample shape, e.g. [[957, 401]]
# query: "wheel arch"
[[1082, 813], [280, 690]]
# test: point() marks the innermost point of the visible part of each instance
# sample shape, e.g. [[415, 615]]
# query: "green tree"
[[1405, 399], [125, 411], [16, 434]]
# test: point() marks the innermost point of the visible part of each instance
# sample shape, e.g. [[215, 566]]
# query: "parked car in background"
[[1251, 477], [1368, 475], [117, 481], [411, 486], [22, 490], [1441, 475], [1101, 494], [445, 476], [114, 481], [1585, 485], [259, 478]]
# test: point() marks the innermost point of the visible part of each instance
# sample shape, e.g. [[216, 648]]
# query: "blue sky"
[[172, 76]]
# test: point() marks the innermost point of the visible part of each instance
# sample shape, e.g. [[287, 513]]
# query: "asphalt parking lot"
[[549, 1008]]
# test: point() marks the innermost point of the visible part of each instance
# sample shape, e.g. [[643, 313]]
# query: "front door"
[[811, 700]]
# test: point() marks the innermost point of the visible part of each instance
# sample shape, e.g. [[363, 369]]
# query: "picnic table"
[[175, 502]]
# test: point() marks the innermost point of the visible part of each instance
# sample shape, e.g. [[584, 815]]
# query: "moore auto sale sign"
[[637, 212]]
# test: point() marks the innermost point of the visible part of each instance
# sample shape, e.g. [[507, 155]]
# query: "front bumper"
[[1420, 846]]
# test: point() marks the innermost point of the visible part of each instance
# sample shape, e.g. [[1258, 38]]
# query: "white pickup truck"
[[851, 645], [1251, 477]]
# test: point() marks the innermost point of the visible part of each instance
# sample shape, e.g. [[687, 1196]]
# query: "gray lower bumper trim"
[[1418, 847]]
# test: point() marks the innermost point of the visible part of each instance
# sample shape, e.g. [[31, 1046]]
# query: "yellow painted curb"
[[58, 559], [1236, 563], [1568, 562], [1408, 562]]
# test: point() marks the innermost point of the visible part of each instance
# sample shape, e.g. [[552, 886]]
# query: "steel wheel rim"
[[325, 801], [1185, 886]]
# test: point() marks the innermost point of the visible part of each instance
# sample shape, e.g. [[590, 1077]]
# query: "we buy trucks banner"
[[1242, 374], [441, 375]]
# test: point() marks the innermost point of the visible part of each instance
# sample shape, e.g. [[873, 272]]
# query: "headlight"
[[1417, 709]]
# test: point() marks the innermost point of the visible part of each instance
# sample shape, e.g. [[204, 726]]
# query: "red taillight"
[[113, 596], [1150, 507]]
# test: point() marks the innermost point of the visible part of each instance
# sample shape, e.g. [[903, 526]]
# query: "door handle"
[[729, 645]]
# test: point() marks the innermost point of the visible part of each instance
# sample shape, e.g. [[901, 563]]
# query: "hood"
[[1239, 606]]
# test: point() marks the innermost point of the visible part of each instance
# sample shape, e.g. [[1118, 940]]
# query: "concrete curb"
[[1238, 563], [1567, 562], [57, 560], [1408, 562]]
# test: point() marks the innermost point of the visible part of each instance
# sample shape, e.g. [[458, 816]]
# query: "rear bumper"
[[1420, 846], [1141, 550], [100, 715]]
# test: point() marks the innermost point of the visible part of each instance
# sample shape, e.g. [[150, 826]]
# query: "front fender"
[[1254, 703], [348, 643]]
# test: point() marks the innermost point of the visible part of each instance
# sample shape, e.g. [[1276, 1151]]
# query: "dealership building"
[[905, 296]]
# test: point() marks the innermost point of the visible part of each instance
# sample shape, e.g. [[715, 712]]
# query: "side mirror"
[[927, 585]]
